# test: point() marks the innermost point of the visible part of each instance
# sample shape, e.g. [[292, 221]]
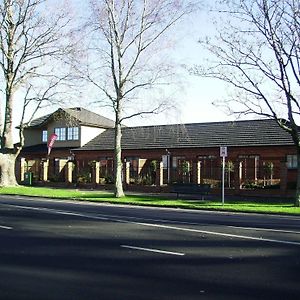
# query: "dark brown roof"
[[199, 135], [82, 115], [42, 148]]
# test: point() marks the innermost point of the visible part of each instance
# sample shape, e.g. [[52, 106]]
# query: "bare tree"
[[257, 52], [129, 38], [31, 42]]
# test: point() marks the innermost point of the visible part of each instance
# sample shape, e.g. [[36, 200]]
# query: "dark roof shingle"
[[82, 115], [87, 117], [198, 135]]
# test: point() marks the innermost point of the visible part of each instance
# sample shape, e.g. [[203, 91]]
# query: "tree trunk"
[[7, 172], [118, 162], [8, 153]]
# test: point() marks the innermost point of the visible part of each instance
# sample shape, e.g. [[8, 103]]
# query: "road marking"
[[264, 229], [60, 212], [202, 224], [261, 239], [114, 219], [5, 227], [152, 250]]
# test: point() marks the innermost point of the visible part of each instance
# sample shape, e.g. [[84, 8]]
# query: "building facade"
[[261, 157], [73, 127]]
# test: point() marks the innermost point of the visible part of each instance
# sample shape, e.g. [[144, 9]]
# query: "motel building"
[[260, 156]]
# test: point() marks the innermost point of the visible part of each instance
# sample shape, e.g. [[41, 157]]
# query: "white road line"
[[60, 212], [261, 239], [204, 224], [5, 227], [264, 229], [245, 237], [153, 250]]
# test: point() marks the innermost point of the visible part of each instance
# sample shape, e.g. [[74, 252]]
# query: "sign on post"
[[223, 151], [223, 154]]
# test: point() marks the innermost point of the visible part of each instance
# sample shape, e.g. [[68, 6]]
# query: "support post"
[[197, 172], [127, 173], [223, 180], [160, 174], [96, 172], [45, 166], [69, 172]]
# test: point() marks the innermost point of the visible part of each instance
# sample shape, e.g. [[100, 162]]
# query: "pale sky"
[[199, 93], [196, 94]]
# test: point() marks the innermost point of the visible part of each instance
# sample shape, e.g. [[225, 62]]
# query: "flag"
[[51, 141]]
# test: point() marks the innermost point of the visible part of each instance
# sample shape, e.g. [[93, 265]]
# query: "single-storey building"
[[261, 157]]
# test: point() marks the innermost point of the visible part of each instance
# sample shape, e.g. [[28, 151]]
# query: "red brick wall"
[[275, 154]]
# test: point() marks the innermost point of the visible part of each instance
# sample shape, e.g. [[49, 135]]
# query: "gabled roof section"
[[39, 121], [90, 118], [199, 135], [81, 115]]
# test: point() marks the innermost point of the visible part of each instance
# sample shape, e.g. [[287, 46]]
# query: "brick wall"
[[248, 161]]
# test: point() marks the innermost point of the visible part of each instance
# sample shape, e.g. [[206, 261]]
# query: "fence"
[[245, 177], [242, 175]]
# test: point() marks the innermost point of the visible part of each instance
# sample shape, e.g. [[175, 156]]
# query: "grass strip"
[[232, 205]]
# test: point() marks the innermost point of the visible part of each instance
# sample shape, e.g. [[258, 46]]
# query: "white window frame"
[[61, 133], [73, 133], [44, 136]]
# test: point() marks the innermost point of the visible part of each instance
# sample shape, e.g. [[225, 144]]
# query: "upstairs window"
[[61, 133], [73, 133], [44, 136]]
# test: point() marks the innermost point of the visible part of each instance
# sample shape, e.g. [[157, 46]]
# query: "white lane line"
[[264, 229], [201, 224], [59, 212], [152, 250], [5, 227], [245, 237]]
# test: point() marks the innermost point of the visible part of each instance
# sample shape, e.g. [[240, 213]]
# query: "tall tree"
[[130, 36], [31, 41], [257, 52]]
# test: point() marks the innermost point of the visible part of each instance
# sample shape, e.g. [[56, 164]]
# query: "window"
[[61, 134], [291, 161], [44, 136], [73, 133]]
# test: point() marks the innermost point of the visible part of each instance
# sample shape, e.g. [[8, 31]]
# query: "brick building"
[[74, 128], [261, 156]]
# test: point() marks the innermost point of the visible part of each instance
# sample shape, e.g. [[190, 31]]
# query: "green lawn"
[[261, 206]]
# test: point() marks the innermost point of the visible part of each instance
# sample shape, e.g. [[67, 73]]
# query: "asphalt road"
[[72, 250]]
